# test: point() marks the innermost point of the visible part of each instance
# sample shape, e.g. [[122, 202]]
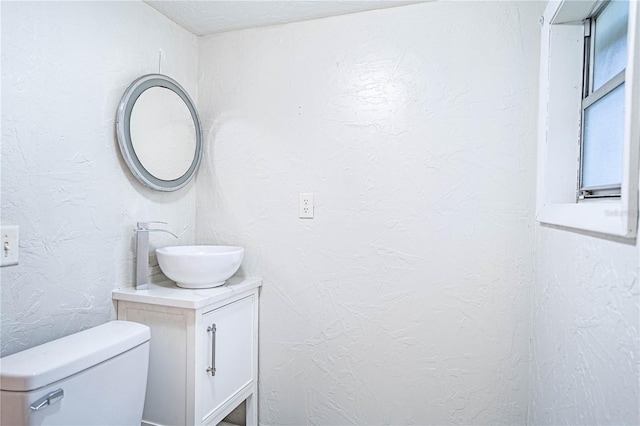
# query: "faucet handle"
[[145, 225], [160, 230]]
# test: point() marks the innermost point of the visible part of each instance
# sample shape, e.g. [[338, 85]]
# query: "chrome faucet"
[[142, 252]]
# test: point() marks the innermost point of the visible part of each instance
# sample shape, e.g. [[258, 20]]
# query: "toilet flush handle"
[[49, 399]]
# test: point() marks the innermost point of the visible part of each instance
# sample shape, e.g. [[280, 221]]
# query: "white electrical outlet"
[[10, 250], [306, 205]]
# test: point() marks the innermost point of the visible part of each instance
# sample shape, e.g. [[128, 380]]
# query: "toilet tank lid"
[[47, 363]]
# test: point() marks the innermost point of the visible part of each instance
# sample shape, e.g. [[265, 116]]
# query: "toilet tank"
[[95, 377]]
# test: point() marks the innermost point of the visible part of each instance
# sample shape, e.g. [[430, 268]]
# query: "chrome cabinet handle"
[[212, 369], [49, 399]]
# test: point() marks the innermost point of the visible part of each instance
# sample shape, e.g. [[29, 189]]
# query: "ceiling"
[[217, 16]]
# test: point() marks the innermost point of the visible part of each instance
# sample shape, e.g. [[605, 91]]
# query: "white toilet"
[[95, 377]]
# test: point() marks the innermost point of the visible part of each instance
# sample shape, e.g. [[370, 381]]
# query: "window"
[[605, 60], [589, 92]]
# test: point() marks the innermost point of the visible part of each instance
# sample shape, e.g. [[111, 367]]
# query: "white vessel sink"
[[199, 266]]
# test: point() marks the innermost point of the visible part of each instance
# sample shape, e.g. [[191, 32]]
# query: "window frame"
[[559, 125]]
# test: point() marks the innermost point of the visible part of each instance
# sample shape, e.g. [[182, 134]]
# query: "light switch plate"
[[10, 250]]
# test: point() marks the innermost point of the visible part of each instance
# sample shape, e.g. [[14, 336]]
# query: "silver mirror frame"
[[123, 118]]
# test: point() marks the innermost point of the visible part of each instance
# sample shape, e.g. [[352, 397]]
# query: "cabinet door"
[[229, 351]]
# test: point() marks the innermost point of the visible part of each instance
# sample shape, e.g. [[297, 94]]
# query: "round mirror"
[[159, 132]]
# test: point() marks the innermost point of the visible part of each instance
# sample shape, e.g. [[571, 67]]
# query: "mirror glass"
[[159, 118], [159, 132]]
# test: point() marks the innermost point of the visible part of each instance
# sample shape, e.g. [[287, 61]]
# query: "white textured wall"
[[407, 300], [586, 368], [65, 66]]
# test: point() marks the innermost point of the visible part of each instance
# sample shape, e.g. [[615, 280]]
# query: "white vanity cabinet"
[[227, 334], [203, 359]]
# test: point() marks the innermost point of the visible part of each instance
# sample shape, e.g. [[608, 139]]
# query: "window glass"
[[610, 50], [602, 140]]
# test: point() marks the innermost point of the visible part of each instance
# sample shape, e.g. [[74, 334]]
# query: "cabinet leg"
[[252, 409]]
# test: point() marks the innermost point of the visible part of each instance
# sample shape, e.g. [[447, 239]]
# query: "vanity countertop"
[[168, 294]]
